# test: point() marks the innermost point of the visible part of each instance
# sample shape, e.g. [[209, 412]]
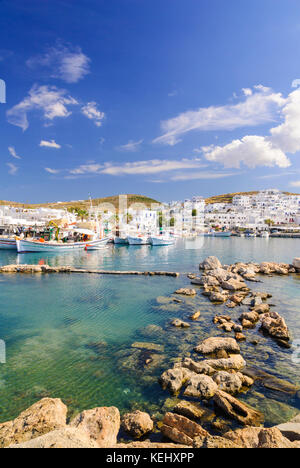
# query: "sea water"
[[71, 336]]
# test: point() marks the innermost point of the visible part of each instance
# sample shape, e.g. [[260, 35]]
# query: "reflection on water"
[[70, 336]]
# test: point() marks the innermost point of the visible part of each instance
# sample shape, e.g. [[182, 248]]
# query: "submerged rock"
[[186, 292], [148, 346], [180, 324], [237, 410]]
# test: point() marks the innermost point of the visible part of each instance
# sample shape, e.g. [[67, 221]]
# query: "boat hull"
[[156, 241], [121, 240], [8, 244], [222, 234], [137, 240], [25, 246]]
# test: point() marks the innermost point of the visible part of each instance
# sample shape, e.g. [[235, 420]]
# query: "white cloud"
[[67, 63], [258, 107], [287, 135], [295, 183], [267, 150], [51, 101], [131, 146], [13, 152], [91, 112], [153, 166], [251, 150], [87, 169], [52, 171], [204, 175], [13, 169], [49, 144]]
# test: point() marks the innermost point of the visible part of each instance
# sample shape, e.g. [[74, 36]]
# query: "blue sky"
[[167, 98]]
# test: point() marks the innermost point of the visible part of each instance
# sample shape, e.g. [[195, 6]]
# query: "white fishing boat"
[[122, 240], [162, 240], [222, 234], [138, 240], [86, 236], [265, 235], [8, 243]]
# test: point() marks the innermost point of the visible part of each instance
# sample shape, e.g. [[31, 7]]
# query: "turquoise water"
[[70, 336]]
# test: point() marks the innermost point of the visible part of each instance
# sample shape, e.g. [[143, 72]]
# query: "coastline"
[[176, 426]]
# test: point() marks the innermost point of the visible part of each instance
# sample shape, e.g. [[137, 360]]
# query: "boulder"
[[234, 362], [66, 438], [273, 438], [271, 381], [230, 383], [233, 285], [186, 292], [198, 367], [252, 317], [201, 386], [210, 263], [180, 324], [44, 416], [218, 297], [214, 344], [214, 442], [237, 410], [196, 315], [137, 424], [189, 409], [261, 309], [291, 429], [275, 326], [181, 429], [101, 424], [173, 379], [246, 438]]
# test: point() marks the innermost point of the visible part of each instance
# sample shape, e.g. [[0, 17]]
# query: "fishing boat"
[[86, 237], [138, 240], [162, 240], [222, 234], [118, 240], [8, 243], [265, 235]]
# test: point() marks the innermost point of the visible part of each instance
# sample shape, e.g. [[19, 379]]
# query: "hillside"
[[114, 200], [227, 198]]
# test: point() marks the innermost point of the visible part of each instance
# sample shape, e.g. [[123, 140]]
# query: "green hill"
[[227, 198]]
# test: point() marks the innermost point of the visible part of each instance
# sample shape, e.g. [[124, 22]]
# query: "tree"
[[194, 212], [269, 222]]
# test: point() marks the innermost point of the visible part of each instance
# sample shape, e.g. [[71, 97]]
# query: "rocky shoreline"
[[212, 376]]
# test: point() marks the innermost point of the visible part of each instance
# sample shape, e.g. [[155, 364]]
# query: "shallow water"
[[70, 336]]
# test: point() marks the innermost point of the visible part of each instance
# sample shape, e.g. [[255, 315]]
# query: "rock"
[[236, 299], [296, 264], [234, 362], [186, 292], [102, 425], [148, 346], [240, 337], [247, 324], [262, 309], [137, 424], [44, 416], [231, 304], [238, 328], [214, 442], [66, 438], [189, 409], [209, 281], [237, 410], [227, 327], [246, 438], [210, 263], [196, 315], [233, 285], [149, 445], [270, 381], [198, 367], [275, 326], [214, 344], [181, 429], [173, 379], [246, 381], [222, 354], [273, 438], [230, 383], [201, 386], [291, 429], [252, 317], [180, 324], [218, 297]]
